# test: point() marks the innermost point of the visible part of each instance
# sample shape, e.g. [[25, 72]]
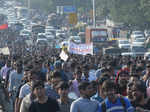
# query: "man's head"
[[86, 71], [26, 74], [86, 89], [129, 90], [19, 68], [94, 85], [100, 82], [123, 78], [138, 71], [109, 89], [38, 64], [63, 89], [138, 90], [78, 74], [58, 65], [8, 63], [38, 89], [34, 75]]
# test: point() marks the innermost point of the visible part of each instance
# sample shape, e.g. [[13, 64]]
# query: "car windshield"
[[42, 36], [139, 40], [124, 42], [138, 33], [43, 42], [76, 39]]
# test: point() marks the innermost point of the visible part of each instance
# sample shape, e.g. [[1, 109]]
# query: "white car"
[[41, 41], [123, 44], [136, 34], [41, 36], [53, 31], [139, 41], [50, 27], [50, 36], [127, 54], [25, 33]]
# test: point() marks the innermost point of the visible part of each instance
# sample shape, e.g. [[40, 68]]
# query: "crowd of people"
[[42, 82]]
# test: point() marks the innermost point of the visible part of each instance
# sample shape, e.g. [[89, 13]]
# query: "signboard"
[[73, 18], [82, 49], [5, 51], [69, 9]]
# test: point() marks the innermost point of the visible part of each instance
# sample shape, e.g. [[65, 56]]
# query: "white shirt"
[[25, 90]]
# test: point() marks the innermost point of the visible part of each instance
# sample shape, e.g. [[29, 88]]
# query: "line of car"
[[136, 45]]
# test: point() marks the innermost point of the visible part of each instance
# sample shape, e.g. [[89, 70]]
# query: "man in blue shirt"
[[99, 95], [113, 102]]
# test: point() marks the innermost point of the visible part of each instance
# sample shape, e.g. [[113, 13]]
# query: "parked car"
[[123, 44], [25, 33], [139, 41], [41, 42], [136, 34]]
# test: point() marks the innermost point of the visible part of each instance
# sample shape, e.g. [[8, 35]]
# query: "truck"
[[98, 36]]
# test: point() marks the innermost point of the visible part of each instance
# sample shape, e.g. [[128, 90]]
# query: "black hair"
[[123, 72], [62, 85], [39, 74], [103, 78], [78, 70], [83, 85], [130, 84], [109, 84], [140, 85], [37, 84]]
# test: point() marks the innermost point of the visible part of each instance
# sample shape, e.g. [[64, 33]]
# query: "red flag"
[[3, 26]]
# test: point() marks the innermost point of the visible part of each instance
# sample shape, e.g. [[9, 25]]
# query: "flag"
[[3, 26]]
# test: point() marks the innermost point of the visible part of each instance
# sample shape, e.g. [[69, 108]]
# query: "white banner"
[[81, 49], [5, 51]]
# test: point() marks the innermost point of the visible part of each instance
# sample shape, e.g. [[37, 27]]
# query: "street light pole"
[[29, 4], [94, 20]]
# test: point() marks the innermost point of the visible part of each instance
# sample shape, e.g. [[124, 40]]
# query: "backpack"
[[104, 108]]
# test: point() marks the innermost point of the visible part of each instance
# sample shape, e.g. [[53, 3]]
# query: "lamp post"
[[29, 5], [94, 20]]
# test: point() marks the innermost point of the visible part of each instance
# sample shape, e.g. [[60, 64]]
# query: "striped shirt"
[[118, 106]]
